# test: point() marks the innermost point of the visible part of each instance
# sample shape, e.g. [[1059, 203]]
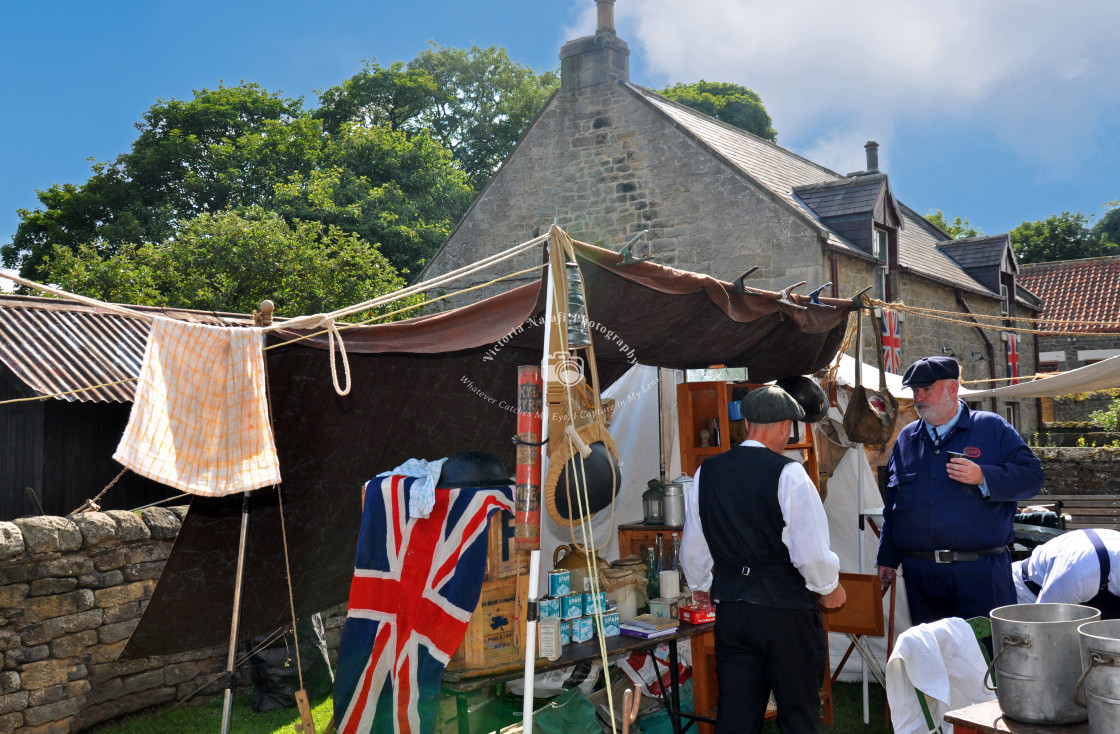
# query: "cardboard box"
[[549, 644], [497, 627], [502, 560], [697, 614]]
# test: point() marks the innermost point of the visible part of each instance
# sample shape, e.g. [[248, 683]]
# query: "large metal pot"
[[1099, 687], [1038, 661]]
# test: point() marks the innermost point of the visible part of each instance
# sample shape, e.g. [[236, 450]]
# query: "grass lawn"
[[847, 710]]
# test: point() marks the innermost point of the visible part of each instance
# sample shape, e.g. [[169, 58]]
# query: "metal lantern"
[[652, 504]]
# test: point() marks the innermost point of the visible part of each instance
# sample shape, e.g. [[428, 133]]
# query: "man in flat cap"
[[756, 542], [954, 481]]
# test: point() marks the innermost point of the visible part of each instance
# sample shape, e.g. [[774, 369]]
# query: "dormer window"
[[1004, 305]]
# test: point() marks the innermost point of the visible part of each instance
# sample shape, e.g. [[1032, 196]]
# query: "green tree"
[[734, 104], [232, 261], [225, 148], [476, 103], [1063, 236], [1107, 229], [485, 102], [375, 96], [401, 192], [957, 229]]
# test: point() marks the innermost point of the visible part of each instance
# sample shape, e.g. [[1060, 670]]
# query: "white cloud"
[[1042, 76]]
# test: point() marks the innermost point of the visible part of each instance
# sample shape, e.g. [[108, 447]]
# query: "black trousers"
[[761, 649]]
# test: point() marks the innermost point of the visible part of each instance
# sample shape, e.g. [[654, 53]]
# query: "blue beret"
[[929, 370]]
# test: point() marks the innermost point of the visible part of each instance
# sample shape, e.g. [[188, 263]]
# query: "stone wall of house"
[[71, 593], [923, 337], [604, 167]]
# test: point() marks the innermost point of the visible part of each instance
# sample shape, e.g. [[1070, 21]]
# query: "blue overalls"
[[950, 540]]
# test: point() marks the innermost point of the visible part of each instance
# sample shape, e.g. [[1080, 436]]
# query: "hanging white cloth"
[[942, 660], [200, 419]]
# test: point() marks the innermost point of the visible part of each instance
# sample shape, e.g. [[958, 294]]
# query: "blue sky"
[[1001, 111]]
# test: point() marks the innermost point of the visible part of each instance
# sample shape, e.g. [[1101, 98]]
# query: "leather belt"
[[948, 556]]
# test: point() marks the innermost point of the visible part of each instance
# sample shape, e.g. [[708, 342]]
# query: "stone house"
[[611, 162]]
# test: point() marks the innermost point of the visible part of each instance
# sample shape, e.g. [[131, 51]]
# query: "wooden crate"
[[497, 628], [502, 560]]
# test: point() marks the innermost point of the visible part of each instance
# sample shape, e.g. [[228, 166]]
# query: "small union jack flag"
[[1013, 358], [416, 582], [891, 327]]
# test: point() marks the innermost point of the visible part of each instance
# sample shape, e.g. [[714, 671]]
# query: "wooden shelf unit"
[[699, 402]]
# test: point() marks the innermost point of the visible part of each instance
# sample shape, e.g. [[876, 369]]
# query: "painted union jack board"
[[891, 327], [1013, 358], [416, 582]]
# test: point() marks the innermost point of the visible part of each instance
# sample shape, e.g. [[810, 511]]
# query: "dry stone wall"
[[71, 593]]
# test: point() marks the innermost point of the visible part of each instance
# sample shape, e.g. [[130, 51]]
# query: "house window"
[[1004, 306], [880, 245], [1011, 413], [1047, 367], [879, 248]]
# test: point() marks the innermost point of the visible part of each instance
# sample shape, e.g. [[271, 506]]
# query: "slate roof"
[[783, 173], [977, 252], [1078, 290], [846, 196]]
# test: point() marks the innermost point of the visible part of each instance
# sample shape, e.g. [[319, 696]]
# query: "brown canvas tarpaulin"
[[428, 388]]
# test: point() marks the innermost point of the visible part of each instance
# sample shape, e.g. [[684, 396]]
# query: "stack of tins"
[[497, 628]]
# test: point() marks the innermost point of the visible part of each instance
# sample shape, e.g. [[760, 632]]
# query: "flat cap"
[[929, 370], [770, 404]]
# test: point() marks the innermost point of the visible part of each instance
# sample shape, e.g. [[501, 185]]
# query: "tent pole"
[[535, 556], [260, 318], [859, 499], [235, 622]]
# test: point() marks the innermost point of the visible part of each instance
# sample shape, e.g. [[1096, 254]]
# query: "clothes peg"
[[785, 296], [815, 296], [739, 287]]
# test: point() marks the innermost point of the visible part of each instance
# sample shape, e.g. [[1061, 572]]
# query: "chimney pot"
[[605, 10], [872, 149]]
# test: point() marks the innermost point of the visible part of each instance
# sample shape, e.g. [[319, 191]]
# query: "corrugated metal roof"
[[54, 346]]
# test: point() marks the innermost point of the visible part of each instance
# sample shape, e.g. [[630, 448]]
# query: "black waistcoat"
[[743, 523]]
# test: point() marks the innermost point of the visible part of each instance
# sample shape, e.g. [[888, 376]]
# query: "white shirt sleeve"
[[696, 558], [806, 530], [805, 534]]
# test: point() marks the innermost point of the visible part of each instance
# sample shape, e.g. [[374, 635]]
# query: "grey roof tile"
[[806, 185]]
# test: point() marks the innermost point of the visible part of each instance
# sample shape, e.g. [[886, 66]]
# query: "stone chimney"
[[596, 59], [872, 149]]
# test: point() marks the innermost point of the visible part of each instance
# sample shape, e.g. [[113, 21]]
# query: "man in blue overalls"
[[954, 481], [1079, 567]]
